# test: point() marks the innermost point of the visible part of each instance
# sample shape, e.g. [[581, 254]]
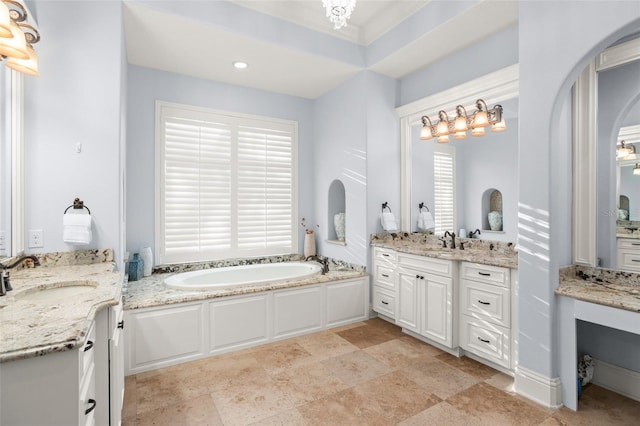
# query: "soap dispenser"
[[136, 268]]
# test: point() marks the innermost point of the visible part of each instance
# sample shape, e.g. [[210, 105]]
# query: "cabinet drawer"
[[485, 273], [88, 403], [485, 301], [384, 302], [489, 341], [87, 350], [384, 256], [426, 264], [384, 277], [629, 260], [629, 244]]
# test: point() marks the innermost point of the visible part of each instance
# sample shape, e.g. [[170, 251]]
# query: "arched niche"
[[336, 205], [492, 202], [624, 205]]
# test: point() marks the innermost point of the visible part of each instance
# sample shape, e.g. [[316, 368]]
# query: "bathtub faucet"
[[323, 261]]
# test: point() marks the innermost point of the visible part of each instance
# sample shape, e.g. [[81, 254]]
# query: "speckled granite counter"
[[601, 286], [34, 328], [478, 251], [151, 291]]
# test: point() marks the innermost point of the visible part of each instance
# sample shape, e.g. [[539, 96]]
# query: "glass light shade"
[[15, 47], [442, 129], [25, 66], [460, 135], [480, 119], [623, 152], [636, 170], [461, 124], [425, 133], [5, 22], [478, 131], [498, 127], [443, 139]]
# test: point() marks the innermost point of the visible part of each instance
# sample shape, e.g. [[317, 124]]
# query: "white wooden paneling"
[[347, 301], [238, 322], [297, 311]]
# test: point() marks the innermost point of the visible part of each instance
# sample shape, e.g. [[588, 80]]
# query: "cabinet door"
[[437, 309], [116, 367], [407, 315], [297, 311], [347, 301]]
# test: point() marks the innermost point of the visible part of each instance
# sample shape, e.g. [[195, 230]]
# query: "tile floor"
[[368, 373]]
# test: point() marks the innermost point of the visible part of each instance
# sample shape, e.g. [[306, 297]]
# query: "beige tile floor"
[[369, 373]]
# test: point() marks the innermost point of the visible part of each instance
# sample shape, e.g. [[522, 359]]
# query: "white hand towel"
[[425, 221], [388, 221], [76, 228]]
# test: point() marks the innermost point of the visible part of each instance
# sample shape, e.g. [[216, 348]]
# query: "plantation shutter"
[[444, 190], [226, 186]]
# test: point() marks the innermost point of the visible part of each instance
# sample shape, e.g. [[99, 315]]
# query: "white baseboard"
[[617, 379], [543, 390]]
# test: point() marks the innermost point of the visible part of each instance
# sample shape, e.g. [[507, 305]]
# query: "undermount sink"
[[60, 290]]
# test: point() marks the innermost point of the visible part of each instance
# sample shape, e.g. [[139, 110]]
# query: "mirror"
[[482, 164], [628, 183], [11, 164]]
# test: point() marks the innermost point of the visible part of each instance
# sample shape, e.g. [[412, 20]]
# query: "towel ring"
[[421, 206], [77, 205], [385, 205]]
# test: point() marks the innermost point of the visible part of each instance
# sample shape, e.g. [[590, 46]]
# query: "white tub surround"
[[167, 326], [34, 328]]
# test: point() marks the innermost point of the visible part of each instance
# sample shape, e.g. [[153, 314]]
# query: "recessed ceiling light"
[[240, 65]]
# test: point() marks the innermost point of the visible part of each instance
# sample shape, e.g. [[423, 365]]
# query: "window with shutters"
[[444, 189], [226, 185]]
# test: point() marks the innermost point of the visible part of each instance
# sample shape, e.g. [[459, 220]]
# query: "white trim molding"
[[616, 379], [543, 390], [618, 55], [495, 87]]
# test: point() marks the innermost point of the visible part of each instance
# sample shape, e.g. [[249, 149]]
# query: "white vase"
[[309, 244], [495, 220], [147, 259], [338, 223]]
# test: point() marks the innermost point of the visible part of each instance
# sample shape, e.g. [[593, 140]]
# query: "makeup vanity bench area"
[[600, 296]]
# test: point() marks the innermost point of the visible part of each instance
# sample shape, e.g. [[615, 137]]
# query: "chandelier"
[[476, 122], [17, 38], [338, 11]]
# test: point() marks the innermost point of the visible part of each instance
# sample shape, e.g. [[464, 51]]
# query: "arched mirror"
[[606, 99]]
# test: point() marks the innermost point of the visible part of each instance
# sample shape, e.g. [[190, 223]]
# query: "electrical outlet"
[[36, 239]]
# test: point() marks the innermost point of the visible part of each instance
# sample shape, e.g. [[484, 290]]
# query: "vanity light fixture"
[[16, 48], [625, 150], [481, 118], [338, 11], [636, 170]]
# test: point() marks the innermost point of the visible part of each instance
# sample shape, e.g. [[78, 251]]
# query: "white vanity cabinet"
[[426, 303], [55, 389], [486, 312], [384, 282], [628, 254], [83, 386]]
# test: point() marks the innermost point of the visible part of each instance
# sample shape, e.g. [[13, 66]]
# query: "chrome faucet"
[[5, 283], [453, 238], [323, 261]]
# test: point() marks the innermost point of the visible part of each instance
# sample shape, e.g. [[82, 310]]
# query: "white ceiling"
[[188, 50]]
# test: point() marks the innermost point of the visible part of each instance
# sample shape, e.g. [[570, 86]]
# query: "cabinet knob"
[[417, 276], [88, 346], [121, 324], [93, 406]]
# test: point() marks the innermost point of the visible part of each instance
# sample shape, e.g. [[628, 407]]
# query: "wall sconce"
[[481, 118], [17, 38]]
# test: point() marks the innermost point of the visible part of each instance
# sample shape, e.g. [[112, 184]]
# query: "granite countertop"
[[151, 291], [602, 286], [35, 328], [480, 254], [627, 233]]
